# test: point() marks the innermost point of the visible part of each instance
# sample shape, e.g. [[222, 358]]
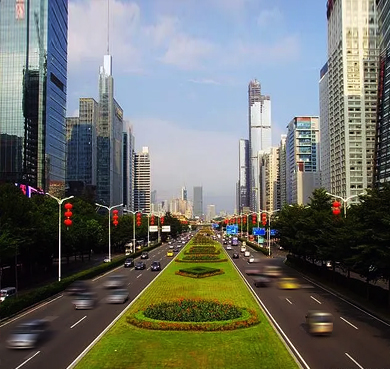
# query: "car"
[[27, 335], [129, 262], [288, 283], [319, 322], [77, 287], [247, 253], [228, 247], [170, 253], [106, 260], [251, 259], [115, 281], [144, 255], [155, 266], [119, 296], [225, 242], [261, 281], [272, 271], [235, 255], [85, 300], [171, 246], [175, 249], [243, 248], [7, 293], [139, 265]]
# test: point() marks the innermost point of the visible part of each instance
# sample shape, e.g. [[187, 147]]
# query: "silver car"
[[86, 300], [27, 335], [119, 296], [115, 281]]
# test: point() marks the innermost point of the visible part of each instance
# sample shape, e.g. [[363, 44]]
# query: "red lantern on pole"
[[115, 217], [244, 220], [226, 221], [264, 218], [336, 207], [162, 220], [139, 219], [68, 206], [152, 220], [254, 219]]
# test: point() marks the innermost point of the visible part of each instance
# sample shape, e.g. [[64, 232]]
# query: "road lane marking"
[[78, 322], [346, 321], [129, 283], [316, 300], [139, 275], [288, 301], [351, 358], [26, 361]]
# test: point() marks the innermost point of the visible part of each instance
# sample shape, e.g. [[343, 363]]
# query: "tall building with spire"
[[259, 116], [33, 80]]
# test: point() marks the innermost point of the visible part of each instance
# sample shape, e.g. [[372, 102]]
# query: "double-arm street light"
[[109, 225], [345, 201], [59, 201], [133, 213]]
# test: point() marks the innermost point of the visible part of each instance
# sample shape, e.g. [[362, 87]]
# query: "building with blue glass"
[[33, 80]]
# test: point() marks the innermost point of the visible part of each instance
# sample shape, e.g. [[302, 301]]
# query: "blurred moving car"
[[119, 296], [129, 262], [261, 281], [272, 271], [28, 334], [77, 287], [247, 253], [155, 266], [235, 255], [319, 322], [288, 284], [144, 255], [170, 253], [139, 265], [115, 281], [242, 248], [86, 300], [251, 259]]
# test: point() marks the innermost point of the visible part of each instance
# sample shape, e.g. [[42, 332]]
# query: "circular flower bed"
[[193, 314]]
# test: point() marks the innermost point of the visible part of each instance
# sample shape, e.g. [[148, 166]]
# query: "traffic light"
[[68, 206], [264, 218], [115, 217], [139, 219], [152, 220], [162, 220], [336, 207], [254, 219]]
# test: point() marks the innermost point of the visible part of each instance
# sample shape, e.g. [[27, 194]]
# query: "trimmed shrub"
[[199, 272]]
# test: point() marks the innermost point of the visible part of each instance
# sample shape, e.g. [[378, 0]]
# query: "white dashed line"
[[288, 301], [346, 321], [24, 362], [78, 322], [350, 357], [316, 300]]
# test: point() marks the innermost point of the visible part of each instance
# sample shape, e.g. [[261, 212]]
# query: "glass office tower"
[[33, 78]]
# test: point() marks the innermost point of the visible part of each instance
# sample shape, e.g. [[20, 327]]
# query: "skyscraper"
[[142, 183], [353, 51], [128, 166], [243, 179], [259, 136], [109, 140], [184, 193], [282, 172], [33, 80], [198, 201]]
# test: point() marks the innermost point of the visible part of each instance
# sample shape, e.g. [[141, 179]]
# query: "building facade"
[[259, 115], [33, 82], [302, 159], [211, 213], [128, 141], [243, 188], [282, 195], [353, 52], [142, 181], [198, 202]]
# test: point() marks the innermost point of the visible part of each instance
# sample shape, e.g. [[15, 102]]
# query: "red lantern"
[[244, 220], [336, 207], [264, 218], [68, 206], [254, 219], [226, 221], [115, 217], [139, 219], [162, 220], [152, 220]]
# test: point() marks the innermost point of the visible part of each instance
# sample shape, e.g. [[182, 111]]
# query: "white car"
[[251, 259], [228, 247], [171, 246], [243, 248], [247, 253]]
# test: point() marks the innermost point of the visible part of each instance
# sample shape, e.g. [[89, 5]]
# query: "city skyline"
[[193, 131]]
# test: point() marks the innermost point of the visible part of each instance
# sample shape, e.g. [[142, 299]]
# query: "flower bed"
[[200, 257], [194, 314], [199, 272], [202, 250]]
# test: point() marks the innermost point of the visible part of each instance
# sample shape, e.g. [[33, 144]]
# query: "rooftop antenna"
[[108, 27]]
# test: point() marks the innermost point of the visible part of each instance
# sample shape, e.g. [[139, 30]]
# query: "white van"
[[7, 292]]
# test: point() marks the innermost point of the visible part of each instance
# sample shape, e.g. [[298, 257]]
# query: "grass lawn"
[[126, 346]]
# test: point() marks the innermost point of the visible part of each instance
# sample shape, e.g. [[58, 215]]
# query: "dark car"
[[236, 255], [144, 255], [77, 287], [175, 249], [27, 335], [129, 262], [262, 281], [139, 265], [156, 266]]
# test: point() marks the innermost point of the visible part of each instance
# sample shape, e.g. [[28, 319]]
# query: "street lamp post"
[[109, 225], [345, 200], [269, 213], [59, 201], [134, 238]]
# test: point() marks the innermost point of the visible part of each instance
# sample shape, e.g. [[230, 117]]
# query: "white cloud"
[[269, 17]]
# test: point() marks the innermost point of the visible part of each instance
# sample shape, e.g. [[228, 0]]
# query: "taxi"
[[170, 253], [288, 284]]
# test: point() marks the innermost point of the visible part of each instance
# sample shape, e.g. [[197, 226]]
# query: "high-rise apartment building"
[[269, 178], [302, 159], [282, 172], [33, 80], [324, 128], [259, 136], [243, 188], [184, 195], [142, 182], [128, 151], [210, 213], [109, 140], [382, 151], [198, 202], [353, 52], [81, 143]]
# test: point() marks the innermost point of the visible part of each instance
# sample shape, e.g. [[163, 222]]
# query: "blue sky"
[[181, 71]]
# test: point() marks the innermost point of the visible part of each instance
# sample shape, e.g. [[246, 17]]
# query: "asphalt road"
[[71, 331], [359, 340]]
